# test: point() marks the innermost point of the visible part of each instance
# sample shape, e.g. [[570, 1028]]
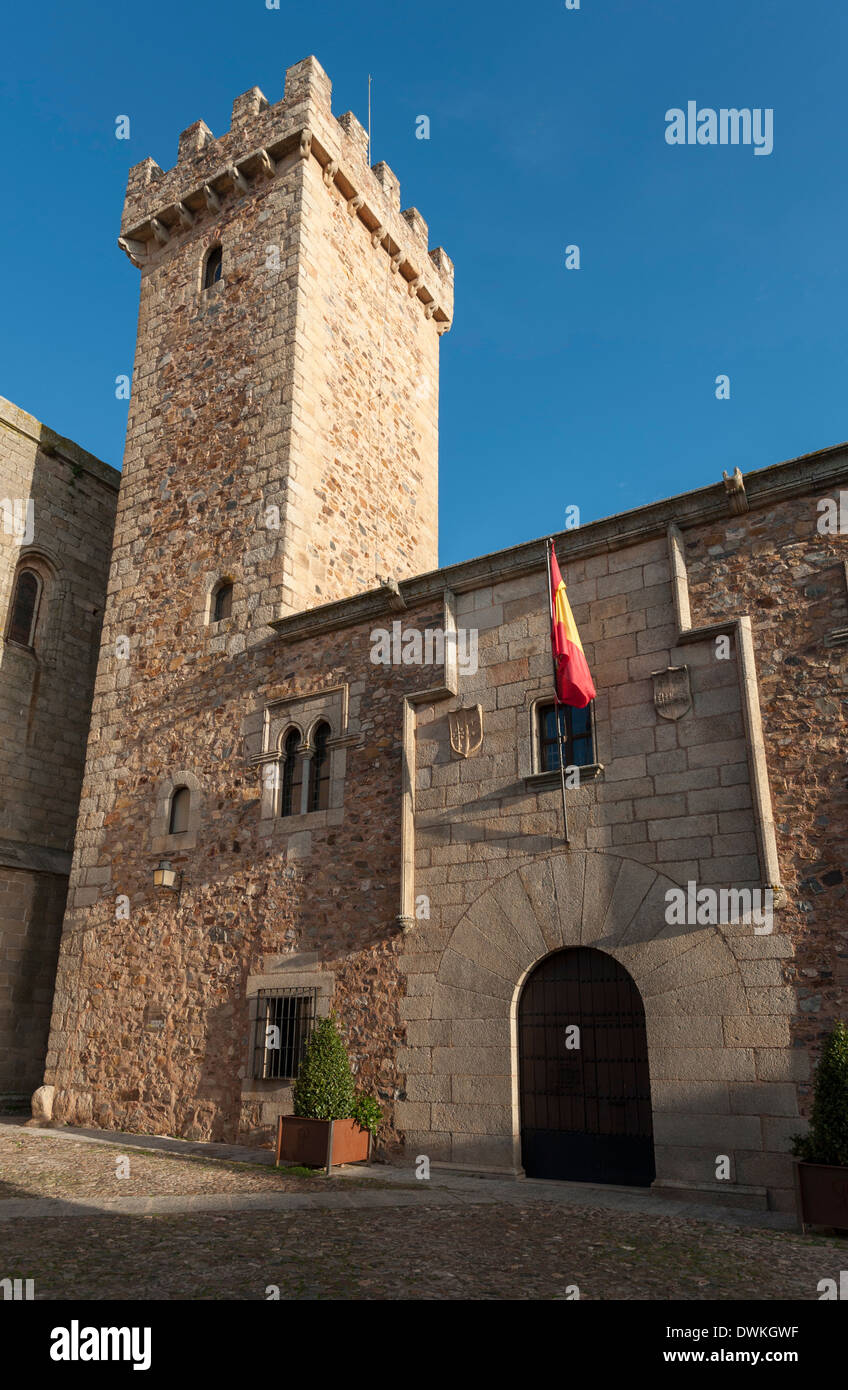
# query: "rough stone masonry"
[[282, 444], [59, 510]]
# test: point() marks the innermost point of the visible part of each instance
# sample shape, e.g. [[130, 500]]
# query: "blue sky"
[[593, 388]]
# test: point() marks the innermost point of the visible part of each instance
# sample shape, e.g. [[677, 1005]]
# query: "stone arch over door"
[[705, 1018]]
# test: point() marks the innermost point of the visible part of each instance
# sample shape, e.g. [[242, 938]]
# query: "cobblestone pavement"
[[489, 1251], [33, 1165], [363, 1240]]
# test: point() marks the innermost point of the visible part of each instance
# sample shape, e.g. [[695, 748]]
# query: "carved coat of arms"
[[672, 693], [466, 730]]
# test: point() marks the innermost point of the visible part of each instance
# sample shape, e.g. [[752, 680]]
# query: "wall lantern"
[[165, 876]]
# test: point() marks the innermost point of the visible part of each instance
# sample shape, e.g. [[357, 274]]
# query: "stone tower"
[[281, 455], [283, 428]]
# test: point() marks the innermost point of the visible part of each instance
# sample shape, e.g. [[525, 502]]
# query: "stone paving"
[[196, 1221]]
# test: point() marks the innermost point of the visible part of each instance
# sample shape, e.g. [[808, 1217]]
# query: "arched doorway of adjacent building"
[[584, 1084]]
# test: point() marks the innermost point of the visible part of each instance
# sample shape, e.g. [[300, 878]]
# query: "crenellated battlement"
[[263, 142]]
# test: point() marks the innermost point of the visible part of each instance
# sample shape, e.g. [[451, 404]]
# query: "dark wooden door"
[[585, 1110]]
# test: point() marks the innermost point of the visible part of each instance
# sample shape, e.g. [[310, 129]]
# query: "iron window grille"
[[284, 1020], [575, 731]]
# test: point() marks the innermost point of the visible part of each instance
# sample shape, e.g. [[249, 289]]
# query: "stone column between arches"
[[723, 1074]]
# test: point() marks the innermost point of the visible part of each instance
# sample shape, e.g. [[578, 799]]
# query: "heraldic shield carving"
[[672, 693], [466, 730]]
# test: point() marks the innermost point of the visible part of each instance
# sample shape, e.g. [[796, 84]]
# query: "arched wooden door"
[[585, 1094]]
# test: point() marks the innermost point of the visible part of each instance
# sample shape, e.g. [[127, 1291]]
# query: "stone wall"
[[45, 702], [735, 1018], [368, 374], [152, 1008], [792, 579], [428, 1006], [32, 905]]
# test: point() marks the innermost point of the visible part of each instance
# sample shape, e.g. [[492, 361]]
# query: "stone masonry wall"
[[673, 803], [151, 1013], [777, 566], [734, 1019], [32, 905], [45, 702], [368, 376]]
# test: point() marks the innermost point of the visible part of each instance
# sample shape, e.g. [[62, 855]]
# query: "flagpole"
[[548, 545]]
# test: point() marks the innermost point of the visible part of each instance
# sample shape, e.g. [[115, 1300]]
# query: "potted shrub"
[[330, 1124], [821, 1175]]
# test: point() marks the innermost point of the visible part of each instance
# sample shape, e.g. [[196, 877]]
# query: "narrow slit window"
[[292, 779], [319, 772], [180, 807], [222, 606], [212, 268], [24, 608]]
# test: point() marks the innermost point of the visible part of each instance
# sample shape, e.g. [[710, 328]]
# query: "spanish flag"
[[574, 684]]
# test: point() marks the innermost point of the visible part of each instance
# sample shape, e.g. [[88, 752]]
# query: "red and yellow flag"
[[574, 684]]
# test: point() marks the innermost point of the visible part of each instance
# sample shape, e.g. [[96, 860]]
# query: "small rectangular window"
[[284, 1019], [575, 730]]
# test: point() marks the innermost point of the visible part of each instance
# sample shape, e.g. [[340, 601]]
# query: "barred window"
[[284, 1020], [319, 772], [575, 730]]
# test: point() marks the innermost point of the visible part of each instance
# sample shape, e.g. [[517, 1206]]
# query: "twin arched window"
[[24, 611], [291, 784]]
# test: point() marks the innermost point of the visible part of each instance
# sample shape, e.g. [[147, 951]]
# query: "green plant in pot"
[[330, 1124], [822, 1173], [367, 1113], [324, 1089]]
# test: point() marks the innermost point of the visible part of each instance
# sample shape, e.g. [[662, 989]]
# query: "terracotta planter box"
[[321, 1143], [822, 1192]]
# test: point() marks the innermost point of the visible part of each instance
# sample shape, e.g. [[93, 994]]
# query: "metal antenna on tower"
[[369, 118]]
